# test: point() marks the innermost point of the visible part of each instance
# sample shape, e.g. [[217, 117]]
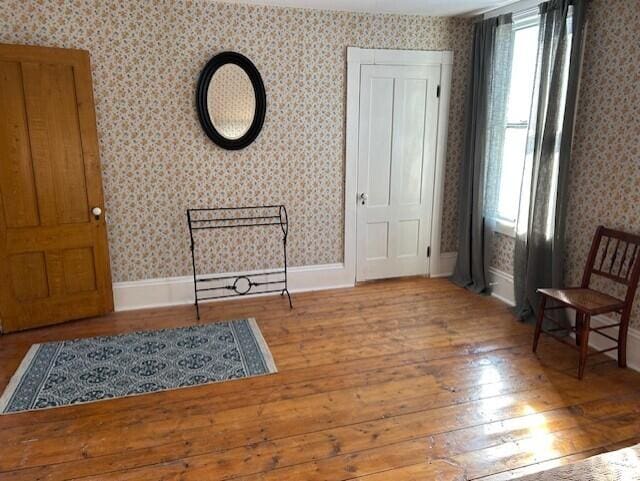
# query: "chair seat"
[[585, 300]]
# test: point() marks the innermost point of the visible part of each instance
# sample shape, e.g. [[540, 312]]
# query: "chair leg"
[[622, 340], [584, 344], [539, 320], [579, 321]]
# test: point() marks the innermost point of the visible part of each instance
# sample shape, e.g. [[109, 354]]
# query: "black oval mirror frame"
[[206, 75]]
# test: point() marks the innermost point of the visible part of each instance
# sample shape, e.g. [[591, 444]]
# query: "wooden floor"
[[401, 380]]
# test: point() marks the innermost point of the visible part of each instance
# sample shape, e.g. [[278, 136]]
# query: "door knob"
[[363, 198], [97, 212]]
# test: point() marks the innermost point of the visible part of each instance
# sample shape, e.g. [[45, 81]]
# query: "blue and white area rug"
[[98, 368]]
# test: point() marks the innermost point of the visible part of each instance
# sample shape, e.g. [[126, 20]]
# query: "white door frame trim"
[[356, 57]]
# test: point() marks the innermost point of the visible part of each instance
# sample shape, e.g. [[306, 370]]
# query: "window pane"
[[515, 143], [523, 71]]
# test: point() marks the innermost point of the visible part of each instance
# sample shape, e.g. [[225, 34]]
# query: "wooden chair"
[[614, 255]]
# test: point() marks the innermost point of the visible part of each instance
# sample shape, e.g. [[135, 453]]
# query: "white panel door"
[[396, 166]]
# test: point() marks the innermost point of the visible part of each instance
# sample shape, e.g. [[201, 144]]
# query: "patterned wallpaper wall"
[[605, 166], [156, 159], [502, 252]]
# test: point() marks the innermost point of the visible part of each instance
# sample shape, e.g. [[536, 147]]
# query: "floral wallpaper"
[[605, 166], [502, 251], [157, 161]]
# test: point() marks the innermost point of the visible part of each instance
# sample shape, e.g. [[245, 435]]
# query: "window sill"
[[505, 227]]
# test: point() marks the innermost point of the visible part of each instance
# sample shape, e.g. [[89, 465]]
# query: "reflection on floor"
[[410, 379]]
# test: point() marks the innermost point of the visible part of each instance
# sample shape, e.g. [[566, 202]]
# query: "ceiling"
[[412, 7]]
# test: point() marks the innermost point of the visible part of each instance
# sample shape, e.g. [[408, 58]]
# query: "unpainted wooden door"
[[54, 259]]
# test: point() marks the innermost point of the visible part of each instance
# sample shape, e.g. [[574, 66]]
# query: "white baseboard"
[[502, 286], [501, 282], [446, 265], [173, 291]]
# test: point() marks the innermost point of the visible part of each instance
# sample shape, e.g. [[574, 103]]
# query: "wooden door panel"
[[71, 271], [16, 173], [29, 276], [56, 146], [54, 262], [55, 273], [49, 238], [59, 309], [380, 142], [79, 270], [410, 153]]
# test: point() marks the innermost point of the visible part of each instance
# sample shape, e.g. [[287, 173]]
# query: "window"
[[518, 133], [521, 84]]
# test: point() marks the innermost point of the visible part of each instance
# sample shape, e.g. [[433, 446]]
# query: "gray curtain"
[[539, 251], [484, 139]]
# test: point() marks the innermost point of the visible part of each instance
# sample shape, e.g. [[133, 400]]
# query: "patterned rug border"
[[10, 389], [17, 376]]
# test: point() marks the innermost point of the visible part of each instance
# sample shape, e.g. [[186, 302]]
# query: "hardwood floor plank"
[[254, 431], [351, 439], [404, 379], [372, 460], [283, 379], [452, 373], [561, 461]]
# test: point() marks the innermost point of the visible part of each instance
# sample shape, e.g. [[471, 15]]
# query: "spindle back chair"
[[614, 255]]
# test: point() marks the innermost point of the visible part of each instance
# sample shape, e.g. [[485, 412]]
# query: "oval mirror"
[[231, 100]]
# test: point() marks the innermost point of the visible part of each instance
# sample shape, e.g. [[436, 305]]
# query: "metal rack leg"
[[286, 277], [288, 296], [193, 265]]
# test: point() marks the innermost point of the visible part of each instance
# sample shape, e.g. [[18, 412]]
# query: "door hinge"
[[438, 91], [429, 251]]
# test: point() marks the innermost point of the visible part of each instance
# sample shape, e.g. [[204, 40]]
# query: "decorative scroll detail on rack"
[[207, 287]]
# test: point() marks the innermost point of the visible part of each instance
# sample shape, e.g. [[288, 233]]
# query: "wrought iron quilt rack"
[[210, 287]]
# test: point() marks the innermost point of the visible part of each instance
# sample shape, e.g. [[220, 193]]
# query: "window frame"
[[503, 225]]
